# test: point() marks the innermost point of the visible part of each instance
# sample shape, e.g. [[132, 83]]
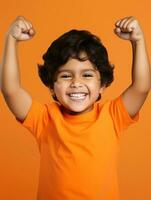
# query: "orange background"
[[19, 157]]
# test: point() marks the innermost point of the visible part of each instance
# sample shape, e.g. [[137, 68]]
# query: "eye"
[[65, 76], [88, 75]]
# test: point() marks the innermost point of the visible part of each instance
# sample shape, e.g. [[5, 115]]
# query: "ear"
[[51, 90], [102, 89], [53, 95]]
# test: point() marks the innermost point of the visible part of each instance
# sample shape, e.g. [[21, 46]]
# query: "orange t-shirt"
[[78, 153]]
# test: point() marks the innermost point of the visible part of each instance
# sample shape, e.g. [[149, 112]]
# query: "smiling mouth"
[[77, 96]]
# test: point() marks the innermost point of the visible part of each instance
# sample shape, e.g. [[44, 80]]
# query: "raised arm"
[[134, 96], [17, 99]]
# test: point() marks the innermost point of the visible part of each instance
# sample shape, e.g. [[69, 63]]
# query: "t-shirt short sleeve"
[[120, 116], [35, 119]]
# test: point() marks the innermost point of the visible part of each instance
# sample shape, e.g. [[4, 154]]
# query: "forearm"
[[10, 76], [141, 73]]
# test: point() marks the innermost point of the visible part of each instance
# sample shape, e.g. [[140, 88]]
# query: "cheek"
[[95, 85], [59, 88]]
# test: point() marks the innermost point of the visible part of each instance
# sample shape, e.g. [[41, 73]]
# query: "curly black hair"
[[70, 45]]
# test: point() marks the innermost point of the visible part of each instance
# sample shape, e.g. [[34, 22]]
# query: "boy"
[[77, 135]]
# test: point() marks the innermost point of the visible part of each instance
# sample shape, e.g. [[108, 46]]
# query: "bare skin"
[[18, 99], [134, 96]]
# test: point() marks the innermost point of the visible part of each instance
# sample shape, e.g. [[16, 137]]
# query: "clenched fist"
[[21, 29], [128, 28]]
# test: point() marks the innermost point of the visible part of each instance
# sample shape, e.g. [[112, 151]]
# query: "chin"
[[79, 111]]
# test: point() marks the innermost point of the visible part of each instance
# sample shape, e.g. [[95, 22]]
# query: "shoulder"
[[116, 109]]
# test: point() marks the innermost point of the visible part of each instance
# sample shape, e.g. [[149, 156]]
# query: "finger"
[[26, 23], [131, 25], [117, 22], [117, 30], [30, 24], [128, 26], [19, 17], [20, 23], [120, 34], [130, 20], [122, 22], [30, 29], [32, 32]]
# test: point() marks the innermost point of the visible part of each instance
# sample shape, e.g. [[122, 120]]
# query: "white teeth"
[[77, 96]]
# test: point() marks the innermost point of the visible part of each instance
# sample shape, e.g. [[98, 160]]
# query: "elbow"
[[144, 89], [9, 87], [8, 91]]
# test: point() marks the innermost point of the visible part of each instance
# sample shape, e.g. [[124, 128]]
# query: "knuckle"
[[20, 17], [135, 20], [131, 17], [29, 24], [20, 23]]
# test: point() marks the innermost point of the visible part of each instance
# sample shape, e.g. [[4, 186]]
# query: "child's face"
[[77, 86]]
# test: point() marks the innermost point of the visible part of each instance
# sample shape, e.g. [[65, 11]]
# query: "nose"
[[76, 83]]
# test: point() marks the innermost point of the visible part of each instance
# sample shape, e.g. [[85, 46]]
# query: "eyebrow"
[[68, 70]]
